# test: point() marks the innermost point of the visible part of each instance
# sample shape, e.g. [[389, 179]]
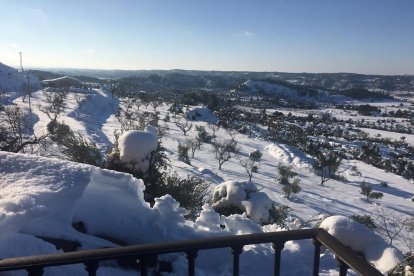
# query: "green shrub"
[[190, 192], [183, 153], [366, 220]]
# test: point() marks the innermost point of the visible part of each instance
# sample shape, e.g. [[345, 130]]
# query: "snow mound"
[[31, 188], [362, 239], [246, 197], [12, 80], [212, 175], [43, 197], [136, 147], [203, 114], [289, 155]]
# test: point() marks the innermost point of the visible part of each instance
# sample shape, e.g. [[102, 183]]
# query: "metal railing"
[[91, 258]]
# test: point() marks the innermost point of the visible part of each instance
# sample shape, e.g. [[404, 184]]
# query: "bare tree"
[[390, 226], [224, 150], [128, 118], [250, 166], [184, 126], [232, 133], [194, 144], [214, 129], [16, 133], [137, 103], [155, 103], [55, 105]]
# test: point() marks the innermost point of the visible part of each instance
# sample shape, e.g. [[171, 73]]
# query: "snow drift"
[[362, 239], [43, 197]]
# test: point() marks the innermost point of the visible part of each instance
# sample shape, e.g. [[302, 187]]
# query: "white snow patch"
[[135, 148], [201, 113], [289, 155], [245, 196], [362, 239]]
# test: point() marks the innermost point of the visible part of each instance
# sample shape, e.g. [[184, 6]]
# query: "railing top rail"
[[345, 254], [85, 256]]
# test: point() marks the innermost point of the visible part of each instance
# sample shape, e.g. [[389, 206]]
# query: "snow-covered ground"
[[39, 192]]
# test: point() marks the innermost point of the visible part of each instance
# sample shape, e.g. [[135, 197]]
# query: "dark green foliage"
[[183, 153], [384, 184], [278, 215], [366, 220], [202, 135], [285, 173], [229, 210], [362, 93], [255, 155], [292, 188], [190, 192], [366, 190], [326, 165], [75, 147]]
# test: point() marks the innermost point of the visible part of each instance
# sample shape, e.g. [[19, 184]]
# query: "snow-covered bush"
[[190, 192], [136, 148], [362, 239], [239, 197]]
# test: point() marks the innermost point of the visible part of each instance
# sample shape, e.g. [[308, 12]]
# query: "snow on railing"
[[142, 253]]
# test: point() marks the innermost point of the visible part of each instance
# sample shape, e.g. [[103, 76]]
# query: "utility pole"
[[21, 62], [27, 92], [110, 88]]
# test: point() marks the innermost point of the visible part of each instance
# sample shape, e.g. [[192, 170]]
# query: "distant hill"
[[194, 79]]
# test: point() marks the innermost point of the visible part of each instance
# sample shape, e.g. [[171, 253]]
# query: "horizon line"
[[202, 70]]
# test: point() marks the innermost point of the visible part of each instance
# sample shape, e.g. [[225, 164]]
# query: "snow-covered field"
[[43, 197]]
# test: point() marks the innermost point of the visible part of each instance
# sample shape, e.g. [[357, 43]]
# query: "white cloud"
[[247, 33]]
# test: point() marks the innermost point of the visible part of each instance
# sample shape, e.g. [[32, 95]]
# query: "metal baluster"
[[236, 251], [277, 246], [342, 267], [191, 255], [35, 271], [143, 266], [91, 267], [316, 257]]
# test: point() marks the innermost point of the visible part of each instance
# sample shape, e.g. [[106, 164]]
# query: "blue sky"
[[362, 36]]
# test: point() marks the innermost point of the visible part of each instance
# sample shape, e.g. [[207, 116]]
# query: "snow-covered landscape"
[[263, 169]]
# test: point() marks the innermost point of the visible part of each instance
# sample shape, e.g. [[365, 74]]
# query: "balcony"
[[347, 259]]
